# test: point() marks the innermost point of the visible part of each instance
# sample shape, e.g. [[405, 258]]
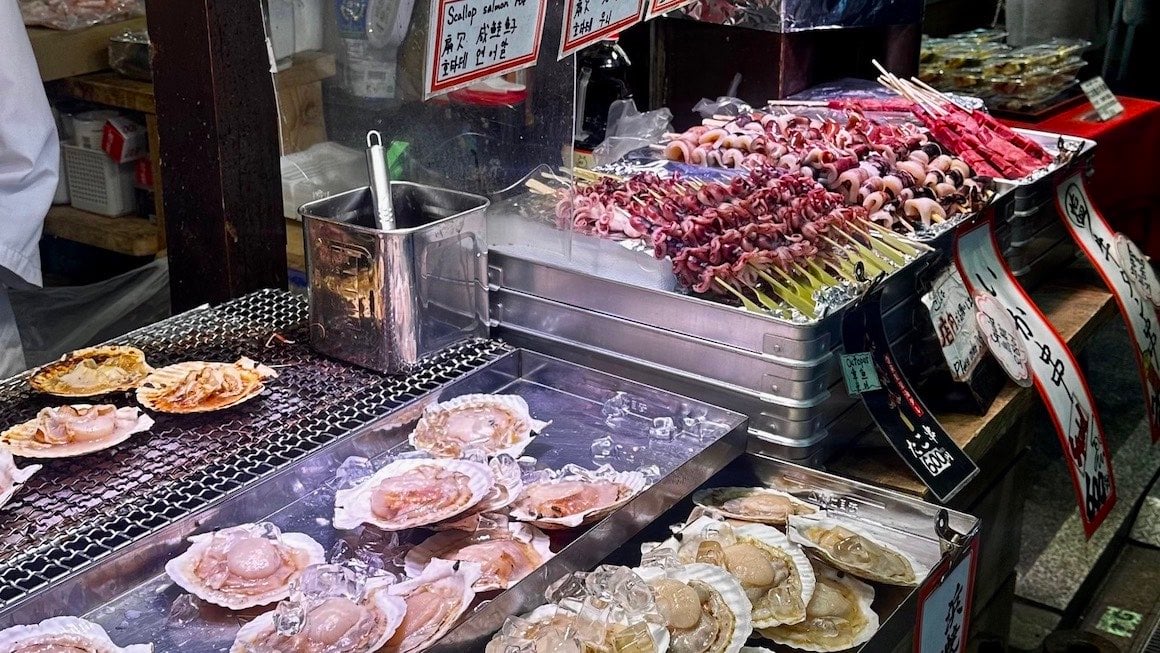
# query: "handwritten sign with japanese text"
[[950, 307], [1057, 376], [1002, 339], [472, 40], [588, 21], [944, 605]]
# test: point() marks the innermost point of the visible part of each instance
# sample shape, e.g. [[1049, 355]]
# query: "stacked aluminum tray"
[[618, 310], [129, 594]]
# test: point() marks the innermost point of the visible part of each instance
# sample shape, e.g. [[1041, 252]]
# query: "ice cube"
[[352, 471], [627, 453], [505, 469], [338, 553], [651, 473], [602, 448], [319, 582], [570, 587], [660, 558], [183, 612], [615, 406], [289, 618], [663, 428]]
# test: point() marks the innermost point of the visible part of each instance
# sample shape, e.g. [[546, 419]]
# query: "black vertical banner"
[[908, 425]]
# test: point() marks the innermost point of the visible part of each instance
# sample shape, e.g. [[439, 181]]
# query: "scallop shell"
[[807, 638], [427, 436], [766, 537], [21, 439], [499, 497], [797, 533], [352, 506], [550, 611], [635, 482], [467, 573], [712, 499], [441, 543], [54, 378], [11, 476], [154, 389], [724, 584], [181, 570], [81, 634], [390, 609]]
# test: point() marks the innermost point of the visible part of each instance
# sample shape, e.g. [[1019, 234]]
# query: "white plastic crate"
[[96, 183]]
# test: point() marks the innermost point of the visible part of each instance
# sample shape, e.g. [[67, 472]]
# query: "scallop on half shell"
[[435, 601], [505, 555], [333, 623], [63, 634], [754, 504], [838, 616], [507, 488], [854, 550], [92, 372], [576, 499], [244, 566], [550, 628], [202, 387], [11, 476], [492, 424], [413, 492], [76, 430], [703, 607], [774, 573]]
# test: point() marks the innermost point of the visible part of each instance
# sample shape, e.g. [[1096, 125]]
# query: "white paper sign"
[[951, 312], [1002, 338], [1102, 98], [1097, 240], [588, 21], [662, 7], [944, 609], [475, 39], [1057, 376], [1138, 268]]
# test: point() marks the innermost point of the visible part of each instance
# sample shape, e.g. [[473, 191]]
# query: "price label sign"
[[471, 40], [1055, 373], [1002, 338], [588, 21], [909, 426], [859, 372], [1102, 98], [951, 309], [1129, 276], [944, 605], [662, 7]]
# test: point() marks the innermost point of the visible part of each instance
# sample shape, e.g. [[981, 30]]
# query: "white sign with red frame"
[[471, 40], [589, 21], [662, 7], [944, 604]]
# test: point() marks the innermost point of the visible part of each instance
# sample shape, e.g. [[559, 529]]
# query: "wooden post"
[[219, 147]]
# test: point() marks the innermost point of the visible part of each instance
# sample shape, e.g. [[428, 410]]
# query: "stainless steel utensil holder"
[[387, 300]]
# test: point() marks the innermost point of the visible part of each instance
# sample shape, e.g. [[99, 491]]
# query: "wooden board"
[[295, 246], [129, 235], [307, 68], [61, 54], [300, 110], [1076, 304], [112, 89]]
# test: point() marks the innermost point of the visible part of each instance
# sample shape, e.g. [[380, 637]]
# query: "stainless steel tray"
[[1033, 194], [904, 521], [129, 595], [1059, 256]]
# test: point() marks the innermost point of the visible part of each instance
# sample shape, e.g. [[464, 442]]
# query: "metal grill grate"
[[78, 510]]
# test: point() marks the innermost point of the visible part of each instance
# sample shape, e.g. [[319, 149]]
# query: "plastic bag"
[[629, 129], [722, 106], [75, 14], [53, 321]]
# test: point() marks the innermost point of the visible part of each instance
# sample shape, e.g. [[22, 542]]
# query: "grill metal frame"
[[78, 511]]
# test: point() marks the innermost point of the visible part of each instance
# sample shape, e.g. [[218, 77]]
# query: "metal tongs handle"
[[380, 178]]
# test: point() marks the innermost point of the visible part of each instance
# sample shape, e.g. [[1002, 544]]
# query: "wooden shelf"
[[112, 89], [1077, 304], [61, 54], [127, 234]]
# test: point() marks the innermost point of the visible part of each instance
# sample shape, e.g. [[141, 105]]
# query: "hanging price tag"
[[662, 7], [1129, 284], [1002, 338], [1055, 373], [472, 40], [858, 371], [588, 21], [951, 309], [1102, 98], [908, 425], [944, 604]]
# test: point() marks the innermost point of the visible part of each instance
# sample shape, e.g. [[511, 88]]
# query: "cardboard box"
[[124, 140]]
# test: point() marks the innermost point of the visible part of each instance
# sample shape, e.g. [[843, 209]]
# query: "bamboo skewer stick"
[[893, 257], [745, 301]]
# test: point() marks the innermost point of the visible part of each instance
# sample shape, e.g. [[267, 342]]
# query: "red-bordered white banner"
[[588, 21], [661, 7], [1057, 376], [470, 40], [1128, 280]]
